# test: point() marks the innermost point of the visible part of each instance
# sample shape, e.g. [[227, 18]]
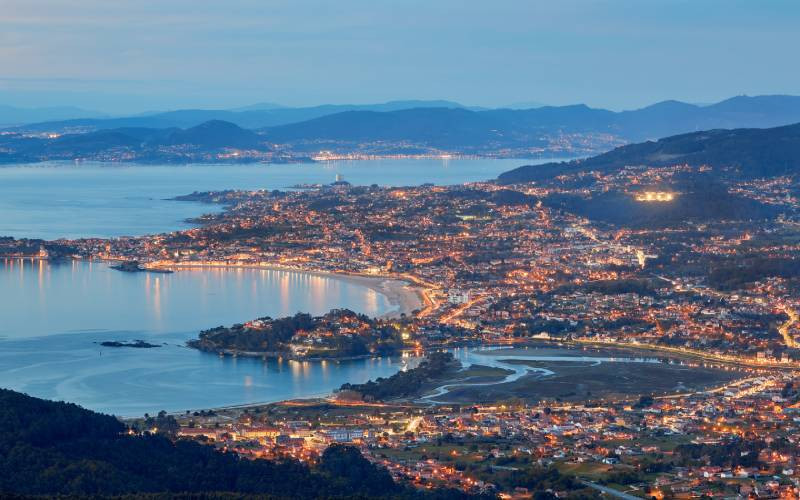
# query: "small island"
[[133, 266], [138, 344], [339, 334]]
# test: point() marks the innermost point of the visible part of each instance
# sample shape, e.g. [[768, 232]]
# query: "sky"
[[127, 56]]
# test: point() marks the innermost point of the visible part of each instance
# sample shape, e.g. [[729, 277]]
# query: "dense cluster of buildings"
[[663, 447], [509, 262], [506, 264]]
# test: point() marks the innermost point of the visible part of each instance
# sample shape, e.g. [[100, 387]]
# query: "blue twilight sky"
[[124, 56]]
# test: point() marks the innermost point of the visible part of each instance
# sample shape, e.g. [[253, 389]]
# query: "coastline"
[[403, 295], [427, 398]]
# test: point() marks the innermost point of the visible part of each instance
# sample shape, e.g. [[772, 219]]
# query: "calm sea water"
[[40, 298], [52, 316], [55, 315], [66, 200], [131, 382]]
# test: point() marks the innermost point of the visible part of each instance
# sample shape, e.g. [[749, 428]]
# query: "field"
[[579, 380]]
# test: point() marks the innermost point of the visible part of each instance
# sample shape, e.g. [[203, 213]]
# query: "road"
[[610, 491], [784, 329], [693, 353]]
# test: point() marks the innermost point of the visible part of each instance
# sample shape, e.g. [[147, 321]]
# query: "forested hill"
[[410, 128], [747, 153], [409, 119], [49, 448], [168, 145], [460, 129]]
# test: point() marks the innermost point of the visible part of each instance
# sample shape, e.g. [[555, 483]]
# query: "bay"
[[39, 298], [55, 315], [84, 200]]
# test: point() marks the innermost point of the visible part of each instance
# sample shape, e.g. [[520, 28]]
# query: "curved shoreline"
[[403, 295]]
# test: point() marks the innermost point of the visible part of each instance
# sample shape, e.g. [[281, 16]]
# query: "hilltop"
[[209, 141], [657, 120], [742, 153], [406, 127], [52, 448], [255, 116]]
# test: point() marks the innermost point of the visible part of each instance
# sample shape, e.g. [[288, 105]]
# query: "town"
[[619, 262], [494, 263], [736, 439]]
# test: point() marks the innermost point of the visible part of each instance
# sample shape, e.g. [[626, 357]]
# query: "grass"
[[590, 470], [484, 371], [441, 453], [666, 443]]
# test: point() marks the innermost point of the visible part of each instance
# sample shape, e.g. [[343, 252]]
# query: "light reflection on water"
[[40, 298], [54, 316]]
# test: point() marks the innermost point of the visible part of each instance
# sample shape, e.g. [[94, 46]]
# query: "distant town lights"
[[650, 196]]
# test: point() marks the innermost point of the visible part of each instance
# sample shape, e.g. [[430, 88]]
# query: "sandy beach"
[[404, 296]]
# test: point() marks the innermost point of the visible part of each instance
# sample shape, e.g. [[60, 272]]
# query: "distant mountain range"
[[205, 142], [399, 127], [395, 120], [14, 116], [463, 129], [747, 153], [253, 117]]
